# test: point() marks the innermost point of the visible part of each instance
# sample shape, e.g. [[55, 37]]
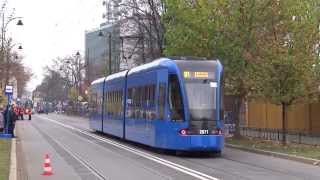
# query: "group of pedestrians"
[[8, 111]]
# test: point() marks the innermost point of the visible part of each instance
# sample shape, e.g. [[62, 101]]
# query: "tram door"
[[161, 97], [162, 93]]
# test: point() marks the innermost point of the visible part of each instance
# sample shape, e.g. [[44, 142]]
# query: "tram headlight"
[[217, 132], [183, 132]]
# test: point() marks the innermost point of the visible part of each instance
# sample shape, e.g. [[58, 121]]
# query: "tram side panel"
[[113, 119], [141, 111], [96, 100]]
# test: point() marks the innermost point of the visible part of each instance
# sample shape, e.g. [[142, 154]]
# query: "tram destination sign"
[[197, 75]]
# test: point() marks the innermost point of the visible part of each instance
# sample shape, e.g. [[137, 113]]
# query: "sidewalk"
[[310, 156], [33, 149]]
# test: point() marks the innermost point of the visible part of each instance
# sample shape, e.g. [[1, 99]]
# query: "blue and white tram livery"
[[168, 104]]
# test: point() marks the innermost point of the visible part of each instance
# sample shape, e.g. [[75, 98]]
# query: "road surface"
[[78, 153]]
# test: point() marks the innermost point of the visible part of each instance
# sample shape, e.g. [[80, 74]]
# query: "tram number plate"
[[204, 131]]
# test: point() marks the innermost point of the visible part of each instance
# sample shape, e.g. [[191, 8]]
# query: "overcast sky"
[[52, 28]]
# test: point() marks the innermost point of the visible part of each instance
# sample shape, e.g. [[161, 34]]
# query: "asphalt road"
[[78, 153]]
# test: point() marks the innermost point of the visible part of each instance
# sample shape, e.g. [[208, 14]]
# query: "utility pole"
[[88, 66], [2, 43], [79, 72], [110, 71]]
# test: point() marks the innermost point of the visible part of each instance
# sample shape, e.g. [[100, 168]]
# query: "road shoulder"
[[276, 154]]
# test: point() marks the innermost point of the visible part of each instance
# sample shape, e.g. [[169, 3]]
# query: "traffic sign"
[[9, 90]]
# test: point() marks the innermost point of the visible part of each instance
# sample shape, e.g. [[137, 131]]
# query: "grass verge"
[[274, 146], [5, 145]]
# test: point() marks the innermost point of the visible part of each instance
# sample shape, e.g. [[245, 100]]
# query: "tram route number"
[[204, 131]]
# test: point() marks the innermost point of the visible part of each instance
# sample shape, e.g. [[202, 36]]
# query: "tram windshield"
[[202, 99]]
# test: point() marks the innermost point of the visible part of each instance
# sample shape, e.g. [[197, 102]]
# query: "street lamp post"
[[4, 27], [79, 69], [87, 67], [3, 37], [79, 79], [110, 70]]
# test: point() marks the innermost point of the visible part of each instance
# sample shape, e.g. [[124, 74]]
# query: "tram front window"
[[202, 99]]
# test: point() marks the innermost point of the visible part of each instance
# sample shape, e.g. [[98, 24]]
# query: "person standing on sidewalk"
[[2, 119], [12, 120]]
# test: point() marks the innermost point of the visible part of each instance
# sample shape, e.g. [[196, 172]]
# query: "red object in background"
[[16, 110], [28, 111], [21, 110]]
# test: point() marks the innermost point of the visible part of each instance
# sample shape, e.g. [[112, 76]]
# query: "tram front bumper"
[[206, 143]]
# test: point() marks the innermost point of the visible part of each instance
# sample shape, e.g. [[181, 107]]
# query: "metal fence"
[[292, 136]]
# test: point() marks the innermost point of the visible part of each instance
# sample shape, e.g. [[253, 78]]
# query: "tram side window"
[[112, 105], [152, 101], [120, 103], [175, 98], [162, 96], [135, 103], [109, 103], [93, 102], [99, 102], [106, 102], [151, 95]]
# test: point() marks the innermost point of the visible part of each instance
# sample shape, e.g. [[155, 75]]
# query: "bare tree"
[[13, 67], [53, 86], [71, 70], [141, 29]]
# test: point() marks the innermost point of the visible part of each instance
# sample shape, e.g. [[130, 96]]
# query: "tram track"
[[180, 168], [64, 149]]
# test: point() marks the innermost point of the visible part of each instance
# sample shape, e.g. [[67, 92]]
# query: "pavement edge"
[[13, 161], [311, 161]]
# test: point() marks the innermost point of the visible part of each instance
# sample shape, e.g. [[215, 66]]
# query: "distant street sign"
[[9, 90]]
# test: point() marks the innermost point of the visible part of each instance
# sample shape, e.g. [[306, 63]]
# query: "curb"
[[13, 160], [301, 159]]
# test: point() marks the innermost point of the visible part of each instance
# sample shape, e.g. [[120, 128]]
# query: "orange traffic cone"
[[47, 169]]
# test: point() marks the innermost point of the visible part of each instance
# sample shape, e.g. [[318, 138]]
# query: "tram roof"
[[97, 81], [167, 62], [159, 62], [117, 75]]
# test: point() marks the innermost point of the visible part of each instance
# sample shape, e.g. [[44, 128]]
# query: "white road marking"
[[178, 167], [13, 160]]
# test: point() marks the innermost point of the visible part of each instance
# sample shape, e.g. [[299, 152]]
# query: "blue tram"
[[168, 104]]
